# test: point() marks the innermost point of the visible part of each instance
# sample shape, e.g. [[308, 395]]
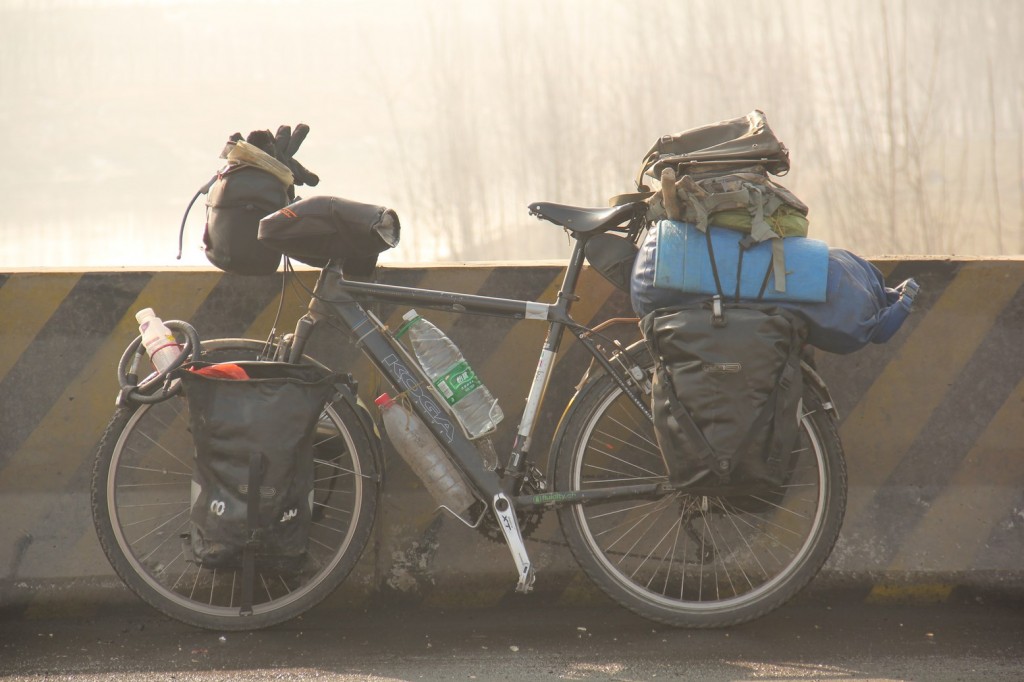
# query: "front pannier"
[[726, 394], [253, 477], [323, 228]]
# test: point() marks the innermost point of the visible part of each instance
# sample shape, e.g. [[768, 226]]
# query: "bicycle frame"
[[341, 299]]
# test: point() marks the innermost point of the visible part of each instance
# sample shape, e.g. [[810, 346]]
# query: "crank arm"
[[506, 515]]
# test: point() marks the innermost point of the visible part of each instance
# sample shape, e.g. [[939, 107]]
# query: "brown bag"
[[732, 144]]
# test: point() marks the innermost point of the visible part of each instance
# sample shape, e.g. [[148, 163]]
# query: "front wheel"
[[141, 499], [689, 560]]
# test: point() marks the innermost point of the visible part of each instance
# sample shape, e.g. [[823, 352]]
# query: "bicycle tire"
[[141, 495], [690, 561]]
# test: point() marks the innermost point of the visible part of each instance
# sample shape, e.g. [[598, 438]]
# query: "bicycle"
[[680, 559]]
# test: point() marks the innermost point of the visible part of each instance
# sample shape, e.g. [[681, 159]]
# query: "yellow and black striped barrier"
[[932, 423]]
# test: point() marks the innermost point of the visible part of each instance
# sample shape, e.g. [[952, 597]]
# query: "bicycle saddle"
[[582, 219]]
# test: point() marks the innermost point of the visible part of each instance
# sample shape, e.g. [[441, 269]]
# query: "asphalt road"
[[822, 635]]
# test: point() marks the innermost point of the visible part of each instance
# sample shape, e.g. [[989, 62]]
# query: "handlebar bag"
[[238, 198], [252, 483], [324, 228], [726, 395]]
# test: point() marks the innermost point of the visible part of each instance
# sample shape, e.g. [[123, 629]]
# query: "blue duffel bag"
[[858, 307]]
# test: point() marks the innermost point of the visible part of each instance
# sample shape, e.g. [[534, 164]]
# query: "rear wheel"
[[141, 497], [687, 560]]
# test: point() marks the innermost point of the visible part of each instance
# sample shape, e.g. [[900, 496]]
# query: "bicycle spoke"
[[652, 451], [154, 504], [162, 472], [650, 527], [627, 463], [179, 555], [327, 506], [641, 520], [165, 450], [169, 537], [619, 480], [140, 539], [653, 550], [750, 549]]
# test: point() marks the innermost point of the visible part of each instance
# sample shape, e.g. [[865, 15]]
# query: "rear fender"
[[821, 388]]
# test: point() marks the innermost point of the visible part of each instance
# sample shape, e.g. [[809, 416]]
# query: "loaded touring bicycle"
[[705, 550]]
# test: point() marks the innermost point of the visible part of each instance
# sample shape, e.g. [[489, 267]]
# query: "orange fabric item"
[[226, 370]]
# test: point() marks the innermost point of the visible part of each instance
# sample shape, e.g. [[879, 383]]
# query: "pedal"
[[509, 525]]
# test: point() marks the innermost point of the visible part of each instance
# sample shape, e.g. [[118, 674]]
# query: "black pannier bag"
[[252, 484], [324, 228], [726, 394]]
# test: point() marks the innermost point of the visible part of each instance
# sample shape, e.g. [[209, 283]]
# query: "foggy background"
[[903, 118]]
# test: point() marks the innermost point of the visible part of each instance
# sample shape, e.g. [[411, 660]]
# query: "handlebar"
[[147, 391]]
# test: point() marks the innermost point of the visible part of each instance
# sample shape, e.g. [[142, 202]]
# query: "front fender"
[[348, 394]]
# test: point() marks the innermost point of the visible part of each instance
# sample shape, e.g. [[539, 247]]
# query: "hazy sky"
[[457, 113]]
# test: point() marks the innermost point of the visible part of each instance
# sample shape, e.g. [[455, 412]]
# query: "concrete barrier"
[[932, 424]]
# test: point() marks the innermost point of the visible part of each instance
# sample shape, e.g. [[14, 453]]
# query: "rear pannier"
[[726, 394], [322, 228]]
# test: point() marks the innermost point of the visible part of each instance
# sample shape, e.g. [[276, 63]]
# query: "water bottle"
[[473, 404], [417, 446], [160, 344]]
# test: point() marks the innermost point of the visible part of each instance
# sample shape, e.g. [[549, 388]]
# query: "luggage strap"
[[253, 522]]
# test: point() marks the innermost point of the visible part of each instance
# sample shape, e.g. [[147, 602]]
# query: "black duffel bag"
[[324, 228], [253, 474], [726, 394]]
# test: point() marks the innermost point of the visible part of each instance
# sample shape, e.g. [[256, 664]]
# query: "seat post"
[[567, 292]]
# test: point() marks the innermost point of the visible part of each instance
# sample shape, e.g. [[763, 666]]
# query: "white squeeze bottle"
[[160, 344], [418, 447], [473, 404]]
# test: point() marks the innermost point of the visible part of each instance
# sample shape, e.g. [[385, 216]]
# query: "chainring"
[[528, 519]]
